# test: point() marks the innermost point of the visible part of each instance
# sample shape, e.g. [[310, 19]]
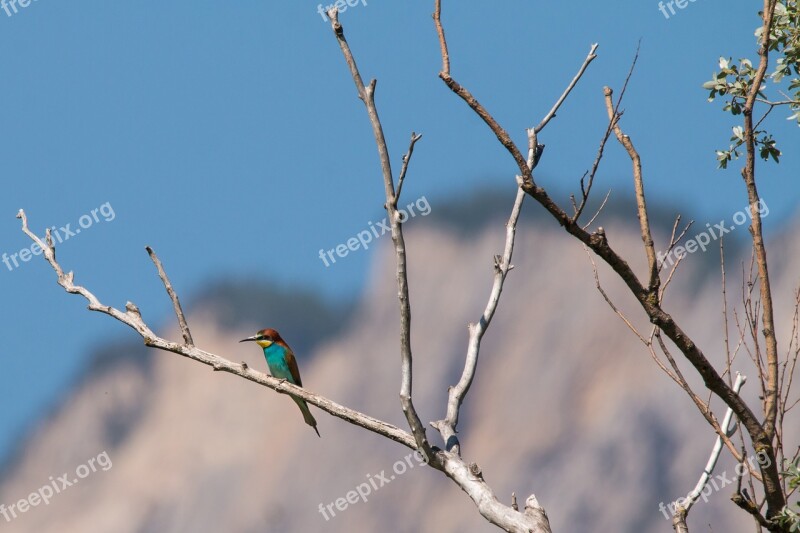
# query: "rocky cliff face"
[[567, 404]]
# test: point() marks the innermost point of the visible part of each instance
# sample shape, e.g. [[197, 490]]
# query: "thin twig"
[[473, 103], [669, 277], [498, 130], [703, 407], [726, 337], [610, 303], [599, 209], [176, 303], [613, 121], [552, 113], [437, 19], [638, 186], [585, 191], [793, 365], [404, 168]]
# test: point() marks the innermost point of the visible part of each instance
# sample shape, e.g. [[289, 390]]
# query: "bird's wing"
[[291, 362]]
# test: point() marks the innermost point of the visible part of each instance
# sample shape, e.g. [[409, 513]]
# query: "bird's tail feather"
[[307, 416]]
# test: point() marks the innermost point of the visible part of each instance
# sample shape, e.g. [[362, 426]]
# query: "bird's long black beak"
[[254, 337]]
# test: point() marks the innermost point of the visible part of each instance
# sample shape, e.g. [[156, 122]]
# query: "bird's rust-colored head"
[[265, 338]]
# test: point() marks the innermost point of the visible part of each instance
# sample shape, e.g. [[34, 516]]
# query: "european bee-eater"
[[282, 365]]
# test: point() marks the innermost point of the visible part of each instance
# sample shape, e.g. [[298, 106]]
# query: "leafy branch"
[[736, 82]]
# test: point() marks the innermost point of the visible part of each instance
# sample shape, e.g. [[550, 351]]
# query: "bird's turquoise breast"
[[276, 361]]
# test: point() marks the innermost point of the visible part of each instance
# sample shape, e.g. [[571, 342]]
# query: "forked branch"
[[646, 294], [467, 476], [367, 95]]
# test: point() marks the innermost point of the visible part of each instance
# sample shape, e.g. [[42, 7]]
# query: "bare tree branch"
[[367, 95], [599, 209], [552, 113], [404, 168], [613, 120], [715, 451], [673, 241], [587, 189], [675, 373], [176, 303], [466, 476], [646, 295], [502, 264], [473, 103], [638, 187], [774, 494], [132, 318]]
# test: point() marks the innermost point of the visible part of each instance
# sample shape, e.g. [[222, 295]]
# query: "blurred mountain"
[[566, 404]]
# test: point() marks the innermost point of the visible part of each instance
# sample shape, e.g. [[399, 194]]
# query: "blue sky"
[[228, 136]]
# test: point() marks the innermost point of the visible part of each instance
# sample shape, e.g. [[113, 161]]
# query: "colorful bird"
[[282, 365]]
